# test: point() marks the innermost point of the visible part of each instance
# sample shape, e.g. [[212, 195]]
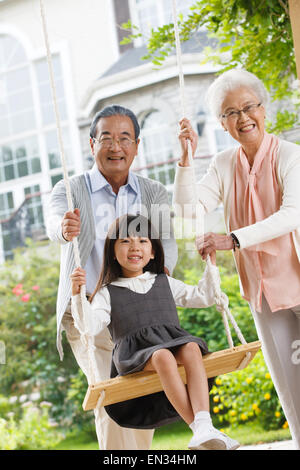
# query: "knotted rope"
[[82, 326], [221, 299]]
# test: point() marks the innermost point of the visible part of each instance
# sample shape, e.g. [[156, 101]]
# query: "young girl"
[[137, 301]]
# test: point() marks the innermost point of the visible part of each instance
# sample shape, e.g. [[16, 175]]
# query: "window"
[[53, 151], [28, 137], [34, 206], [148, 15], [157, 148], [6, 205], [224, 140], [19, 113], [6, 209], [182, 7], [45, 94], [56, 178], [152, 13], [216, 138], [20, 158], [16, 104]]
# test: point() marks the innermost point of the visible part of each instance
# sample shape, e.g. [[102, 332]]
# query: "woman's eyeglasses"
[[234, 114]]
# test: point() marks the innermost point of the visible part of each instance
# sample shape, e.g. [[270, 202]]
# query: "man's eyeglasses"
[[234, 114], [108, 142]]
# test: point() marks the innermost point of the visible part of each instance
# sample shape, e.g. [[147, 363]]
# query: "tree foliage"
[[256, 35]]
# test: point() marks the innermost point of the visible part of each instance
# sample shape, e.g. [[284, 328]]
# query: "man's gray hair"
[[229, 81], [115, 110]]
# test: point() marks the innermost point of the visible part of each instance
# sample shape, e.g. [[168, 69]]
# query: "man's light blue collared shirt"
[[107, 206]]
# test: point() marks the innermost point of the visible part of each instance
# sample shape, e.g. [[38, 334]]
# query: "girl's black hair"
[[123, 227]]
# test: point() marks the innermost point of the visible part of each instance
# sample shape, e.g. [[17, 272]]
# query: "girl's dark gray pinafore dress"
[[141, 324]]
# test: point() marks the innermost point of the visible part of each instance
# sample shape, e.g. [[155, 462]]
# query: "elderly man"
[[109, 190]]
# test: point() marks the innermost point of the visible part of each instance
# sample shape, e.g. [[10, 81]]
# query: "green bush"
[[245, 396], [208, 324], [76, 395], [28, 329], [34, 430]]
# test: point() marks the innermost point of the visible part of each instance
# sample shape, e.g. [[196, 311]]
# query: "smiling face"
[[114, 161], [133, 254], [247, 129]]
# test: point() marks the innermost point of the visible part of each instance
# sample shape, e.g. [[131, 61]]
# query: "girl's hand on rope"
[[210, 242], [71, 225], [187, 133], [78, 279]]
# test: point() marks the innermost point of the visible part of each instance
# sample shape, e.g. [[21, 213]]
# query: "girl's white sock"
[[201, 419]]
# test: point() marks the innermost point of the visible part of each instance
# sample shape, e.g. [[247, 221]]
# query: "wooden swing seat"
[[144, 383]]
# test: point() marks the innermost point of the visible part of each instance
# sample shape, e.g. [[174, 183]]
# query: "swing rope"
[[84, 333], [220, 298]]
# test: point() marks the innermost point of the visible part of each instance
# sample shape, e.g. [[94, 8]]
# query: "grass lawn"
[[177, 436]]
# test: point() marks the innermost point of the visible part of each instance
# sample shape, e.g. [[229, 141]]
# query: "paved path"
[[280, 445]]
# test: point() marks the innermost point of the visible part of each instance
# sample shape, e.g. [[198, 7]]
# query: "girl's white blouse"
[[97, 313]]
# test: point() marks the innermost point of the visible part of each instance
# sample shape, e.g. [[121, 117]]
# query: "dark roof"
[[133, 57]]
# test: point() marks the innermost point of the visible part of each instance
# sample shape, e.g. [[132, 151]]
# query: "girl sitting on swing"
[[137, 301]]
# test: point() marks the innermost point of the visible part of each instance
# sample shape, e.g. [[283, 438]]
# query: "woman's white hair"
[[229, 81]]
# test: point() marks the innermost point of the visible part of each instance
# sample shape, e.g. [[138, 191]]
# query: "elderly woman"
[[258, 183]]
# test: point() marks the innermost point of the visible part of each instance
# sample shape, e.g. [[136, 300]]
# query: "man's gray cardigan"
[[154, 204]]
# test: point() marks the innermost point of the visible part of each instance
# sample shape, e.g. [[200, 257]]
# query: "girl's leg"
[[191, 400], [190, 356], [165, 364], [205, 436], [110, 435]]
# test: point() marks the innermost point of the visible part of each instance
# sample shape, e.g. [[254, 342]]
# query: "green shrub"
[[32, 431], [208, 324], [28, 329], [245, 396], [76, 394]]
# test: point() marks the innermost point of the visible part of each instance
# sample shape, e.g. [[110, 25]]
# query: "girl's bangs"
[[133, 226]]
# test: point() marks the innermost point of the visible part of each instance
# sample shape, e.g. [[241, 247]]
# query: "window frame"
[[152, 169], [134, 9], [40, 129]]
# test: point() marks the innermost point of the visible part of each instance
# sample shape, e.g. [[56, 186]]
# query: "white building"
[[91, 70]]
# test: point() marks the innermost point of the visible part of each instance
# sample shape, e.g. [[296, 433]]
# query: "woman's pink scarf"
[[256, 192]]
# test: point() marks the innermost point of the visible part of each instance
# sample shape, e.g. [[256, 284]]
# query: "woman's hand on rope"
[[78, 279], [210, 242], [187, 133], [71, 225]]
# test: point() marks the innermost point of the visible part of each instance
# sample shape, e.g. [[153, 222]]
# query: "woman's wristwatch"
[[236, 243]]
